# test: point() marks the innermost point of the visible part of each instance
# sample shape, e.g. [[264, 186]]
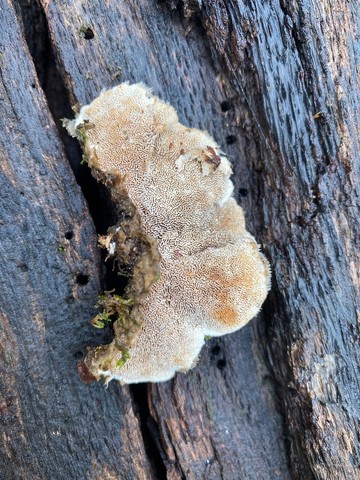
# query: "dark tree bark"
[[277, 85]]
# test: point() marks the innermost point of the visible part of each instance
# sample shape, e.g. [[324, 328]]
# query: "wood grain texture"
[[52, 425], [231, 409], [277, 84], [297, 67]]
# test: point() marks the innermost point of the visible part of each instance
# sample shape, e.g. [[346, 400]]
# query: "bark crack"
[[36, 32], [149, 429]]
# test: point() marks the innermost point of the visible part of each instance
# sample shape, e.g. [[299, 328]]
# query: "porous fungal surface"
[[195, 270]]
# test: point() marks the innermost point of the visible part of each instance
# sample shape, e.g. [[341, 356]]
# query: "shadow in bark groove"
[[149, 429], [58, 98]]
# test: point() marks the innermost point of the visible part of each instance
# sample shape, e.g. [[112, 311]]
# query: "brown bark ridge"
[[276, 84]]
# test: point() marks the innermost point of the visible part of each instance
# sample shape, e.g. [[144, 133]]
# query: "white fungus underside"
[[213, 277]]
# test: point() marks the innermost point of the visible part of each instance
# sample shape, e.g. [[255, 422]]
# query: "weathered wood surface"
[[52, 426], [277, 86]]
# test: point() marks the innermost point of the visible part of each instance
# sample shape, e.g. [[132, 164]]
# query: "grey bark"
[[277, 85]]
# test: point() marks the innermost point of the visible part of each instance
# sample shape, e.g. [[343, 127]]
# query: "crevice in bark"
[[280, 387], [149, 429], [50, 78], [97, 196]]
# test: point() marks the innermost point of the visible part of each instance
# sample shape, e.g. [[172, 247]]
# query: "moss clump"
[[115, 308], [135, 255], [81, 133], [125, 357]]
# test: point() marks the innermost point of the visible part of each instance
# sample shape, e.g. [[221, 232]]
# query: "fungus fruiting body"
[[194, 270]]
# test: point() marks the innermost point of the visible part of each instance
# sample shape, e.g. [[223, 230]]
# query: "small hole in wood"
[[23, 267], [221, 364], [82, 279], [69, 235], [87, 33], [79, 355], [225, 105], [231, 139], [215, 350]]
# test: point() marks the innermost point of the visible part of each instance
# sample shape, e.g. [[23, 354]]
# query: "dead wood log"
[[276, 84]]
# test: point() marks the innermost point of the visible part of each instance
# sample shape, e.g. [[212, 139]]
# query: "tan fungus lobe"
[[196, 270]]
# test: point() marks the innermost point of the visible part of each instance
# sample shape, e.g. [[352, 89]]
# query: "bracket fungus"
[[194, 270]]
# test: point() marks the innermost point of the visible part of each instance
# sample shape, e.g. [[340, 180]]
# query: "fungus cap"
[[199, 272]]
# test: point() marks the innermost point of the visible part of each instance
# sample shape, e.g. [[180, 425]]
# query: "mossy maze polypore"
[[194, 271]]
